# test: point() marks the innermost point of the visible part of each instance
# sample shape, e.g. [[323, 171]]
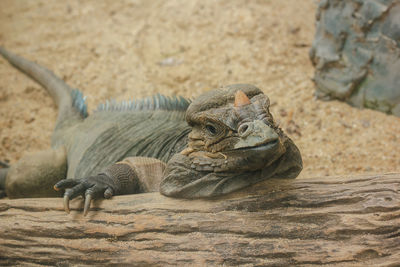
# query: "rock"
[[356, 53]]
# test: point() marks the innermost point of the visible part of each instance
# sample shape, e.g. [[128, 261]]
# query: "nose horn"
[[241, 99]]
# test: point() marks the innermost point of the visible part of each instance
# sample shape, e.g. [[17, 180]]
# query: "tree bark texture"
[[350, 221]]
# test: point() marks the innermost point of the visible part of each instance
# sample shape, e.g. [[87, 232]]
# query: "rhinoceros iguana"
[[224, 140]]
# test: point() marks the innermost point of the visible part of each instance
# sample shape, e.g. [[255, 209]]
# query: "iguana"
[[224, 140]]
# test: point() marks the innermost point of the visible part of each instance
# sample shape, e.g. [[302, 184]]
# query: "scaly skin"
[[234, 143], [228, 141]]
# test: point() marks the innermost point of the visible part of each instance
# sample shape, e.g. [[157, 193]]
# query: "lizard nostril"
[[244, 130]]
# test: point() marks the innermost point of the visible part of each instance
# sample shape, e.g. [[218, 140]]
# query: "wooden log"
[[351, 221]]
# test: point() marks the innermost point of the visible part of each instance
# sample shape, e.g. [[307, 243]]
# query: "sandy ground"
[[127, 49]]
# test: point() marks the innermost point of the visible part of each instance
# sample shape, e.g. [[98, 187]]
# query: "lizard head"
[[233, 130], [235, 141]]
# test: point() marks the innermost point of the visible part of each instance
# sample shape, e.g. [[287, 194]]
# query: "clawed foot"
[[90, 188]]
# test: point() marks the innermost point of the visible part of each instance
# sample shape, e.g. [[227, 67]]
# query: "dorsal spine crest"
[[156, 102]]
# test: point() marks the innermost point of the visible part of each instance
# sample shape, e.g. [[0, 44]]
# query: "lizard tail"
[[70, 102]]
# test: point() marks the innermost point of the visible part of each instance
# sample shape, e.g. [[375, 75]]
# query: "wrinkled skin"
[[234, 143]]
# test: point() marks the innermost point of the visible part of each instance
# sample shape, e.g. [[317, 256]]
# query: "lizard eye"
[[211, 129]]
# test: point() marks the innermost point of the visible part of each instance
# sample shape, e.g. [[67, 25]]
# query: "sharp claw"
[[65, 183], [66, 203], [86, 208]]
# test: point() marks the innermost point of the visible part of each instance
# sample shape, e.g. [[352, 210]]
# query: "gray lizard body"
[[224, 140], [111, 135]]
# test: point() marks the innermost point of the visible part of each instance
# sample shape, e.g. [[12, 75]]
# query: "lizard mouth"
[[252, 158], [262, 147]]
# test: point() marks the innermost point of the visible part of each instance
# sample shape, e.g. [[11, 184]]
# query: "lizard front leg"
[[131, 176]]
